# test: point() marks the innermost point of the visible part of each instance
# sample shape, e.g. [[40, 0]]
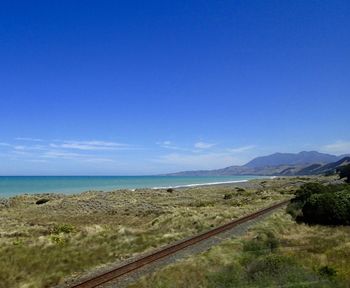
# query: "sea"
[[17, 185]]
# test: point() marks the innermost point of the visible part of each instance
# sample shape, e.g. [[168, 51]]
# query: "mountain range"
[[279, 164]]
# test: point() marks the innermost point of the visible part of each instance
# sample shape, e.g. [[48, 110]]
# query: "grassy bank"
[[45, 238], [276, 253]]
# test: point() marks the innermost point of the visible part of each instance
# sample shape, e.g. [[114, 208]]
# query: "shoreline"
[[114, 188], [200, 184]]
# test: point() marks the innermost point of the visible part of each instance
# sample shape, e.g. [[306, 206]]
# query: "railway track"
[[133, 266]]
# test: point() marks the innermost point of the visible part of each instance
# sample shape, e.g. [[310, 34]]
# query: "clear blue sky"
[[141, 87]]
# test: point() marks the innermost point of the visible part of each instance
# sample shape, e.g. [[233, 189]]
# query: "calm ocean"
[[15, 185]]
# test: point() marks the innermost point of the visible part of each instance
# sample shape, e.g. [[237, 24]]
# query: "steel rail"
[[169, 250]]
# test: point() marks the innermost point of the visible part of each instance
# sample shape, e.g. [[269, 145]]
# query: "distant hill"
[[302, 158], [327, 168], [303, 163]]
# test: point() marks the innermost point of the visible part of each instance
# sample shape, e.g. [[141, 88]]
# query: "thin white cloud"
[[66, 155], [98, 160], [338, 147], [19, 147], [170, 145], [64, 150], [37, 160], [203, 145], [241, 149], [28, 139], [61, 154], [90, 145], [21, 152], [29, 148]]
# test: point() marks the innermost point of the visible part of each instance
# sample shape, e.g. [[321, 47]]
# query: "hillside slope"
[[302, 158], [288, 164]]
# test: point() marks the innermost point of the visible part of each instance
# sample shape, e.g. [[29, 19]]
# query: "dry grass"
[[40, 245], [302, 252]]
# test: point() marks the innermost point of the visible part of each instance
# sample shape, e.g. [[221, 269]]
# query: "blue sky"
[[142, 87]]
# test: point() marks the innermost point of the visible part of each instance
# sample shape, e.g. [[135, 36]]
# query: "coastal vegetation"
[[315, 203], [43, 244], [278, 252], [66, 235], [344, 172]]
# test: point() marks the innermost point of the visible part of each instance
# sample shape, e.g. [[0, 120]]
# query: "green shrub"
[[327, 271], [228, 277], [339, 187], [294, 209], [328, 208], [270, 265], [42, 201], [62, 228], [58, 240], [279, 271], [344, 172], [308, 189], [228, 196], [265, 271], [263, 243], [315, 203], [203, 204], [17, 242]]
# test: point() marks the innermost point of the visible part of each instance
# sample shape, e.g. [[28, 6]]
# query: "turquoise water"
[[15, 185]]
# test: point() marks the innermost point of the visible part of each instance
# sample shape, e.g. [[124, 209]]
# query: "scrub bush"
[[42, 201], [315, 203], [62, 228], [328, 208]]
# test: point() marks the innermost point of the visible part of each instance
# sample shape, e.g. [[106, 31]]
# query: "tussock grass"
[[276, 253], [42, 244]]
